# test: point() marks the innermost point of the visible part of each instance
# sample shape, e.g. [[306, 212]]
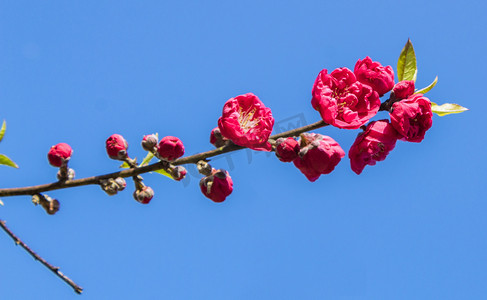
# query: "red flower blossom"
[[287, 149], [247, 122], [319, 154], [116, 147], [343, 101], [403, 89], [59, 154], [170, 148], [412, 117], [217, 186], [373, 74], [372, 145]]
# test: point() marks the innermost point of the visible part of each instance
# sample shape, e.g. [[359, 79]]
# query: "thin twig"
[[36, 256], [31, 190]]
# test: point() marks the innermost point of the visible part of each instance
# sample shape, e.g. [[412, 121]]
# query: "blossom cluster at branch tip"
[[247, 122]]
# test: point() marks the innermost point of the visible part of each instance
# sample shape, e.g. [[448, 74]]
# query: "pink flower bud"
[[59, 154], [121, 184], [403, 89], [372, 145], [178, 173], [319, 154], [412, 117], [287, 149], [247, 122], [117, 147], [373, 74], [144, 195], [217, 186], [170, 148], [216, 138], [149, 142]]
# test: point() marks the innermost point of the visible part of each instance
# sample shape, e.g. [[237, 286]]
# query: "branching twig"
[[54, 269], [31, 190]]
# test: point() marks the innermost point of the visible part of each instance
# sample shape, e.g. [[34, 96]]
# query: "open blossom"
[[373, 74], [343, 101], [403, 89], [59, 154], [412, 117], [372, 145], [319, 154], [247, 122], [217, 186]]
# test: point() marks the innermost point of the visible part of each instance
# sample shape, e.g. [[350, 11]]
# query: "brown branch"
[[36, 256], [31, 190]]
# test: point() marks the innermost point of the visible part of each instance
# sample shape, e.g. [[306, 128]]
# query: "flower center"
[[247, 120]]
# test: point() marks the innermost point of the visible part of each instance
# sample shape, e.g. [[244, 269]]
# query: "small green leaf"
[[406, 65], [2, 131], [146, 159], [4, 160], [447, 108], [124, 165], [163, 172], [1, 202], [428, 88]]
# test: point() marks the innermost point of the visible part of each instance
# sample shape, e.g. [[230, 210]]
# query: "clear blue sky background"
[[412, 227]]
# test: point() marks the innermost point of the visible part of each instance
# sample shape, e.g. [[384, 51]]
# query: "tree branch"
[[31, 190], [54, 269]]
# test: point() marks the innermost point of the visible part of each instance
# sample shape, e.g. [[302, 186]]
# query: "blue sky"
[[411, 227]]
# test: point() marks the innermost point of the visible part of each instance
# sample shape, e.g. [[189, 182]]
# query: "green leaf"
[[428, 88], [4, 160], [163, 172], [146, 159], [1, 202], [406, 65], [2, 131], [447, 108], [124, 165]]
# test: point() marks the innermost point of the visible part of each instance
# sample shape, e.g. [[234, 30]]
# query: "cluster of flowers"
[[345, 99]]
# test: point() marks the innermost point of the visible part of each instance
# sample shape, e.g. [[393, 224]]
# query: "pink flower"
[[412, 117], [287, 149], [216, 138], [343, 101], [373, 74], [116, 147], [403, 89], [59, 154], [170, 148], [217, 186], [247, 122], [372, 145], [144, 195], [319, 154]]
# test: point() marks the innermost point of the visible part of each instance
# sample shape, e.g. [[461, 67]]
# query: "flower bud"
[[149, 142], [144, 195], [319, 155], [217, 139], [204, 167], [59, 154], [287, 149], [121, 184], [217, 186], [117, 147], [69, 175], [170, 148], [178, 173], [403, 89]]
